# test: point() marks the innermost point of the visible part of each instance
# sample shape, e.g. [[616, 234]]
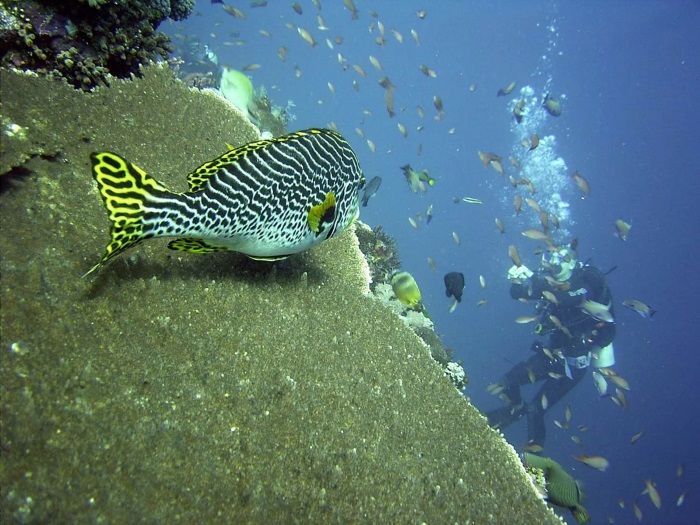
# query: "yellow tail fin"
[[124, 189]]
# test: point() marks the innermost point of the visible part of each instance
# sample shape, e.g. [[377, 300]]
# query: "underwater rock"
[[199, 388]]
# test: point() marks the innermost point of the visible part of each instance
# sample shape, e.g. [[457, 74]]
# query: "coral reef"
[[380, 251], [85, 41], [208, 389]]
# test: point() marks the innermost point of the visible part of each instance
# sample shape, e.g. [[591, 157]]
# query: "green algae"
[[182, 388]]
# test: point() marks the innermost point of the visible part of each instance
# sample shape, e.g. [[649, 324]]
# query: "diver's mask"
[[560, 263]]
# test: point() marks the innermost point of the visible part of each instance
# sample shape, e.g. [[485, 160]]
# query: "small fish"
[[297, 8], [432, 265], [556, 322], [456, 238], [623, 229], [413, 222], [495, 388], [613, 377], [472, 200], [472, 87], [600, 383], [258, 3], [567, 413], [421, 13], [519, 110], [530, 374], [371, 146], [454, 285], [406, 290], [546, 351], [637, 511], [437, 102], [552, 105], [360, 71], [653, 493], [524, 319], [388, 95], [482, 281], [533, 204], [550, 297], [596, 462], [415, 178], [514, 255], [289, 217], [331, 88], [533, 447], [486, 158], [544, 402], [481, 302], [638, 306], [233, 11], [414, 35], [680, 470], [251, 67], [598, 311], [582, 183], [375, 62], [534, 142], [518, 204], [577, 440], [534, 234], [398, 36], [554, 375], [506, 91], [428, 72], [353, 9], [303, 33], [371, 189], [620, 399], [499, 224], [636, 437], [453, 306], [402, 129], [681, 499], [429, 214]]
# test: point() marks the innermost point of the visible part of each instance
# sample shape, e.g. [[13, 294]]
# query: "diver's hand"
[[518, 274]]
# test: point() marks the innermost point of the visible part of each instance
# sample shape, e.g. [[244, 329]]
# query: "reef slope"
[[199, 389]]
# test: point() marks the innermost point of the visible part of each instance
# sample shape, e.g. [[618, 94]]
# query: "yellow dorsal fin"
[[322, 212]]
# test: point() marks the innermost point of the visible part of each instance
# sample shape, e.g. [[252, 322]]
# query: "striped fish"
[[267, 199]]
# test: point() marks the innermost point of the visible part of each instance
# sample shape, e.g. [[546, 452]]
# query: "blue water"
[[628, 74]]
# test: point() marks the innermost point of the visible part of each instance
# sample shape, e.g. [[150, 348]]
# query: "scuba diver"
[[574, 307]]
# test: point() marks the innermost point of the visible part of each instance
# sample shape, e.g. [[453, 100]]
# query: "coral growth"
[[86, 41]]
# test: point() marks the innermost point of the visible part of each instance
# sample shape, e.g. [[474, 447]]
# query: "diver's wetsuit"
[[587, 334]]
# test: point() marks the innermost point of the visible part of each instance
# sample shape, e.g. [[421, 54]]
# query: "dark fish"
[[217, 2], [371, 189], [454, 285]]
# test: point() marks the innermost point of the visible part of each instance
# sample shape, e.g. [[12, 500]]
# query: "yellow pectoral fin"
[[324, 212]]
